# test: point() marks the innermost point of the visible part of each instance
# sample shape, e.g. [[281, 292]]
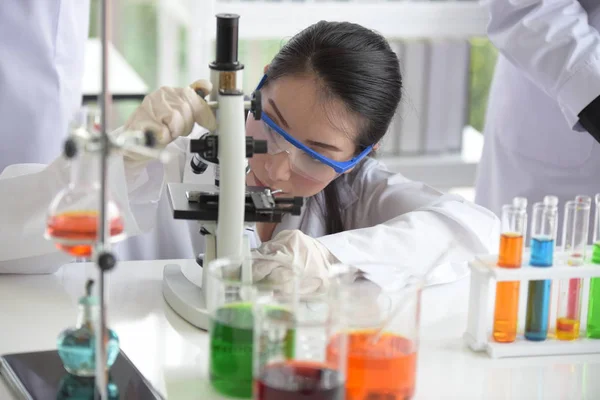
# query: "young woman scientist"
[[328, 97]]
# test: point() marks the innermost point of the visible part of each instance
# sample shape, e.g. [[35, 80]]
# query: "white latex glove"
[[292, 252], [172, 112]]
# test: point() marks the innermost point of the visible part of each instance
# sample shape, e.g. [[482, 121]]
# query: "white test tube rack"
[[485, 274]]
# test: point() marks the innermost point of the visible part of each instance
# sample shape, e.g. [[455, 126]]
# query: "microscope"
[[222, 209]]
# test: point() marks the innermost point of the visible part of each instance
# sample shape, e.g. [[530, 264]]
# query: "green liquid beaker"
[[231, 306], [231, 336]]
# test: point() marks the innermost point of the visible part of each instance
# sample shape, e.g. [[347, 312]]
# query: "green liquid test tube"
[[593, 318]]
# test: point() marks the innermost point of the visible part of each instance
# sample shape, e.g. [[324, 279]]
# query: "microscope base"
[[185, 297]]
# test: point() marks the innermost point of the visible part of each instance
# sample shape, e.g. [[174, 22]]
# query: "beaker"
[[230, 302], [382, 322], [299, 347]]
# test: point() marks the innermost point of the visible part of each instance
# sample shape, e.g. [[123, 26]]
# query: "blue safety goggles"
[[338, 166]]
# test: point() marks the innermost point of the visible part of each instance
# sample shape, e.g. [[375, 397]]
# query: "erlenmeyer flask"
[[73, 214], [77, 345]]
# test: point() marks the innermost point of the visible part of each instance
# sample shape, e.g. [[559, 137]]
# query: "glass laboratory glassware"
[[575, 234], [230, 301], [543, 236], [299, 347], [77, 346], [74, 387], [514, 222], [72, 221], [522, 202], [593, 316], [382, 323]]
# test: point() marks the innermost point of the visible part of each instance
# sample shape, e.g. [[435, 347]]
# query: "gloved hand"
[[290, 252], [170, 113]]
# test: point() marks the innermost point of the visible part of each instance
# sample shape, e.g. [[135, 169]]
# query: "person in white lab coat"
[[333, 90], [328, 98], [41, 68], [542, 129]]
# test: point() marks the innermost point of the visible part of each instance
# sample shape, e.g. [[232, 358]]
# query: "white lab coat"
[[389, 218], [41, 67], [548, 71]]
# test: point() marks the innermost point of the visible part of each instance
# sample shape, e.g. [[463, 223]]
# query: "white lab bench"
[[173, 355]]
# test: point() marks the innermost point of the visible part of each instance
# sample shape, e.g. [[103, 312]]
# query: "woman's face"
[[296, 104]]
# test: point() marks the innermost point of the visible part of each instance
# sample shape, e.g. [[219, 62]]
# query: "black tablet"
[[41, 376]]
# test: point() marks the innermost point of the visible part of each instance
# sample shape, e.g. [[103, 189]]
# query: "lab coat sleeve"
[[553, 43], [412, 225], [24, 202]]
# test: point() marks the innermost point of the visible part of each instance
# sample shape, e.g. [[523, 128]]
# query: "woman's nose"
[[278, 167]]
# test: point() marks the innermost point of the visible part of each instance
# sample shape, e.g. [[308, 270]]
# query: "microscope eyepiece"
[[227, 43]]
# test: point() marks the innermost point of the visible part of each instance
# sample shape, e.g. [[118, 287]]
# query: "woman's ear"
[[376, 146], [266, 69]]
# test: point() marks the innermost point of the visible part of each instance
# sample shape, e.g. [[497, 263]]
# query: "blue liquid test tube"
[[543, 237]]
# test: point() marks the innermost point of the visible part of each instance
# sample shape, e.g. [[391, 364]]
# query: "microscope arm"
[[232, 173]]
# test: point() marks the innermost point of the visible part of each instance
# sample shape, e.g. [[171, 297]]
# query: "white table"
[[173, 355]]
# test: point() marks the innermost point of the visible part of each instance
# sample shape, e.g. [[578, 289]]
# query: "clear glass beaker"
[[382, 322], [230, 303], [299, 347]]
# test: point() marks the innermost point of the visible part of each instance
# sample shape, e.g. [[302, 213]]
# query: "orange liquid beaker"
[[381, 368]]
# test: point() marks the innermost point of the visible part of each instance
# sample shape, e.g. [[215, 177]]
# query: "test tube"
[[575, 233], [514, 221], [521, 202], [593, 317], [543, 236]]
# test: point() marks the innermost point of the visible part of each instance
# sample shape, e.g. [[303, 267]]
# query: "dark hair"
[[358, 67]]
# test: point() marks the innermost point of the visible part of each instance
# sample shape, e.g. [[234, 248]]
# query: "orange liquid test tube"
[[506, 312]]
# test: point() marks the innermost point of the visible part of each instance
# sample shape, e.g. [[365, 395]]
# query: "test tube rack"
[[485, 273]]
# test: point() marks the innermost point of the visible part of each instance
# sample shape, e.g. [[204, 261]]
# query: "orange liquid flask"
[[385, 368], [506, 312], [79, 226], [72, 222]]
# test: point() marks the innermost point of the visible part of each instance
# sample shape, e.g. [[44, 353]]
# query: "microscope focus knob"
[[259, 147], [256, 105]]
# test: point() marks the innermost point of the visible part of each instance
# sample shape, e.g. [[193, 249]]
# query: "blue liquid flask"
[[77, 346], [83, 388]]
